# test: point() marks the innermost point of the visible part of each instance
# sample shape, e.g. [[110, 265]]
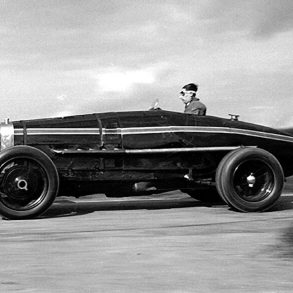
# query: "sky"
[[67, 57]]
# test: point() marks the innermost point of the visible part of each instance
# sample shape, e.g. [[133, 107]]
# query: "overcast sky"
[[64, 57]]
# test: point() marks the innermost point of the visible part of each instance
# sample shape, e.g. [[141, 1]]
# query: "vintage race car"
[[132, 153]]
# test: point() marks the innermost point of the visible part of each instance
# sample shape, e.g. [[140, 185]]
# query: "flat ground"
[[166, 243]]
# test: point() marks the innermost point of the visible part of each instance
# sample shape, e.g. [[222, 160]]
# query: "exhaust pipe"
[[140, 187]]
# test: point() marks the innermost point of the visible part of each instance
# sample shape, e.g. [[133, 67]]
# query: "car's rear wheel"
[[28, 182], [250, 179]]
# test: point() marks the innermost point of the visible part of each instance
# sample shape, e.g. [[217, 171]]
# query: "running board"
[[147, 151]]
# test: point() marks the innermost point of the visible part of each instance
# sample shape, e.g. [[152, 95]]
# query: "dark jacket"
[[195, 107]]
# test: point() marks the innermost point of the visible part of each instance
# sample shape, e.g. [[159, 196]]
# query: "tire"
[[29, 182], [219, 171], [250, 179]]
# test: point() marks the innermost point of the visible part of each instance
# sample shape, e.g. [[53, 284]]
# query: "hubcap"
[[253, 180], [23, 184]]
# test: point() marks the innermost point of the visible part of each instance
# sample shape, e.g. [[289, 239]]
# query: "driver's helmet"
[[191, 87]]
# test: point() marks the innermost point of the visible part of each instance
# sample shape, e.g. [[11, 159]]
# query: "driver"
[[191, 101]]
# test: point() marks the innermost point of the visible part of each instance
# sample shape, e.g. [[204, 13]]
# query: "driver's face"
[[186, 96]]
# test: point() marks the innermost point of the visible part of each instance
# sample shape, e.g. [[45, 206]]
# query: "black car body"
[[126, 153]]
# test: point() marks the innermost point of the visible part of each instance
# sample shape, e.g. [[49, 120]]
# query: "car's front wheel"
[[250, 179], [28, 182]]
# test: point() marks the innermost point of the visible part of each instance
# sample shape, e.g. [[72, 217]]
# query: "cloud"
[[273, 17], [262, 107], [62, 98], [118, 80], [258, 19]]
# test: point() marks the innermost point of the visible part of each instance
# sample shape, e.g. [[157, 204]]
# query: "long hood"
[[140, 130]]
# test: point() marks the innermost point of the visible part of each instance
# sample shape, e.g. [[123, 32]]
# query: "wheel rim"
[[23, 184], [253, 180]]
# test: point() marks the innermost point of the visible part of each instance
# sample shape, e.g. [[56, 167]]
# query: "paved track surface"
[[168, 243]]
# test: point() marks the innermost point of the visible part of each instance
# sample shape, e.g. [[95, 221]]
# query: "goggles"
[[183, 93]]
